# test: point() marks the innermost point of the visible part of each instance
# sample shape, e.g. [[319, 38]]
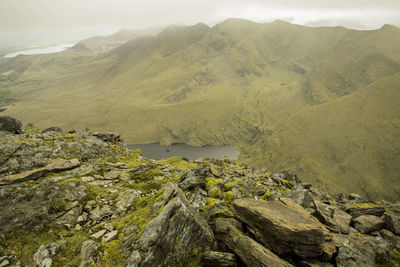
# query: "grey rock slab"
[[88, 249], [110, 236], [57, 165], [175, 231], [98, 234]]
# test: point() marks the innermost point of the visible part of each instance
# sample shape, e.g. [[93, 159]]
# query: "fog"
[[20, 15], [46, 21]]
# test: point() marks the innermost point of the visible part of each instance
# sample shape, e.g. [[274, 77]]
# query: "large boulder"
[[177, 235], [11, 125], [283, 229], [368, 223], [248, 250]]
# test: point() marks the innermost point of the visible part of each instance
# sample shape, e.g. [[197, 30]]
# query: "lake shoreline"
[[157, 151]]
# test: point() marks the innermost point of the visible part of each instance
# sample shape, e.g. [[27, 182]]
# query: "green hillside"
[[321, 101]]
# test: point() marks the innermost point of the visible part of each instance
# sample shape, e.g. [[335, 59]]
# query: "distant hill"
[[101, 43], [323, 101]]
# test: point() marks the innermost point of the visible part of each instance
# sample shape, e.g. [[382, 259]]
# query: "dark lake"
[[157, 151]]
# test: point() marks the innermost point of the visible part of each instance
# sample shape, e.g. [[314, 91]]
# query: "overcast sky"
[[21, 15]]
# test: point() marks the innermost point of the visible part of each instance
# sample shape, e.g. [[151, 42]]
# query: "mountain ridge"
[[239, 82]]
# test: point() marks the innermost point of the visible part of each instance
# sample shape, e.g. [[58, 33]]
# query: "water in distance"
[[157, 151], [43, 50]]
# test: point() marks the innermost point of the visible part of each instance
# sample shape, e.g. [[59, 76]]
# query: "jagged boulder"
[[393, 222], [45, 254], [177, 235], [283, 229], [250, 252], [337, 220], [193, 178], [11, 125]]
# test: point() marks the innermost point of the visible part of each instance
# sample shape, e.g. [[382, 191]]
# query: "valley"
[[322, 101]]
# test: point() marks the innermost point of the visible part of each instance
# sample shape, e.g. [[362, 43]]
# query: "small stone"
[[109, 227], [4, 263], [78, 227], [109, 236], [215, 170], [87, 179], [111, 175], [83, 218], [98, 234]]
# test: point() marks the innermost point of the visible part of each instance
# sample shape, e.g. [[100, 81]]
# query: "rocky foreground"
[[84, 199]]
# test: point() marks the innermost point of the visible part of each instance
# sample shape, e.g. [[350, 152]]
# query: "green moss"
[[113, 255], [25, 244], [68, 180], [70, 250], [223, 213], [228, 197], [215, 192], [178, 163], [365, 205], [228, 186], [395, 258], [57, 205], [211, 182], [211, 203]]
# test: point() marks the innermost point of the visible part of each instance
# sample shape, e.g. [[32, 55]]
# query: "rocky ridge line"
[[84, 199]]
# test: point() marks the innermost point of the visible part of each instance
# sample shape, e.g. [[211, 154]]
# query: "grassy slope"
[[323, 101]]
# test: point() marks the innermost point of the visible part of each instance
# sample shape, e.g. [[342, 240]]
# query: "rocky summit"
[[84, 199]]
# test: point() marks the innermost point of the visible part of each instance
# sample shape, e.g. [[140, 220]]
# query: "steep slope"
[[322, 101]]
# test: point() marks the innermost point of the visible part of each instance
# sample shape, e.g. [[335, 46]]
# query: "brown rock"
[[282, 228], [368, 223], [249, 251], [356, 210], [57, 165], [219, 259]]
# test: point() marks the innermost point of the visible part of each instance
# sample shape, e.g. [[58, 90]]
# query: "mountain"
[[85, 199], [320, 101], [101, 43]]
